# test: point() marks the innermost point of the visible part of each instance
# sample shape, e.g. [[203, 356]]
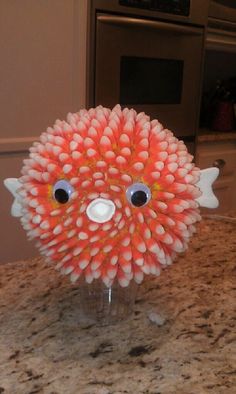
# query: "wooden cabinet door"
[[42, 78]]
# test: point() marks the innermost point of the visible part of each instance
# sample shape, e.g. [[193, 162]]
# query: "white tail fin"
[[208, 198], [12, 184]]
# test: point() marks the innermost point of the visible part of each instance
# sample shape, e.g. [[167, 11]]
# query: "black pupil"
[[139, 198], [61, 196]]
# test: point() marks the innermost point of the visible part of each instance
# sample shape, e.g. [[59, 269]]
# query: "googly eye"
[[138, 194], [62, 191]]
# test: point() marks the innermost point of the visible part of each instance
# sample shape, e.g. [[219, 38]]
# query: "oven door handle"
[[136, 22]]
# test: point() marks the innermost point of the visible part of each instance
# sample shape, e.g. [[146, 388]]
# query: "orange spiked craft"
[[110, 194]]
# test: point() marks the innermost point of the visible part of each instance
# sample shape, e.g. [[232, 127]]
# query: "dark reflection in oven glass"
[[150, 81]]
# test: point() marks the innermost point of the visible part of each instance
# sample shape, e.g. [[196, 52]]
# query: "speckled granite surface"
[[45, 347]]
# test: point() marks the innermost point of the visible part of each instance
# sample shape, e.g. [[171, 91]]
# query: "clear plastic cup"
[[107, 305]]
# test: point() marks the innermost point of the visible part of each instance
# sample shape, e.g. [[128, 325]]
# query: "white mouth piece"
[[100, 210]]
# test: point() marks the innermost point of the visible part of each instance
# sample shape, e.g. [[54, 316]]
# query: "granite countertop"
[[45, 347]]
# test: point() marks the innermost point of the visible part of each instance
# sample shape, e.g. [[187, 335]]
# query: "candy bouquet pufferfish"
[[110, 195]]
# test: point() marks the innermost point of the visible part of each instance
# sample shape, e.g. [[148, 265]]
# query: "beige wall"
[[42, 77]]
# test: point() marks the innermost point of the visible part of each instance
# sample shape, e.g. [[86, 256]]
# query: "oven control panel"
[[176, 7]]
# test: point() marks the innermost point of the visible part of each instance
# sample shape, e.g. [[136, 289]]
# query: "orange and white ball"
[[109, 194]]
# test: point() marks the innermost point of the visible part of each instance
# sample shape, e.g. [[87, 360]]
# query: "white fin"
[[207, 177], [12, 184]]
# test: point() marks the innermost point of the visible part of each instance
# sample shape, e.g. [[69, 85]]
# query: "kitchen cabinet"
[[218, 147], [42, 78], [220, 151]]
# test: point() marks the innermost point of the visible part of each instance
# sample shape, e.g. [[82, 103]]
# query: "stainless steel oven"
[[148, 55]]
